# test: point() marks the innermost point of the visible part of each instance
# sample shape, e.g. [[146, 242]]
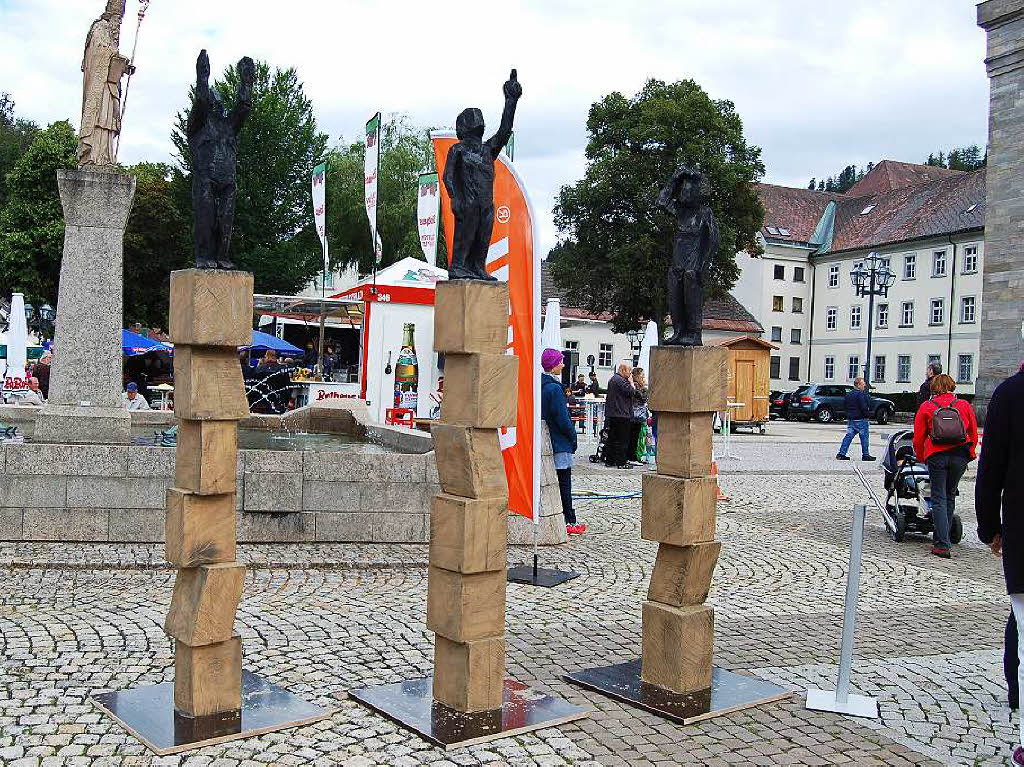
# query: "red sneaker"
[[941, 552], [578, 529]]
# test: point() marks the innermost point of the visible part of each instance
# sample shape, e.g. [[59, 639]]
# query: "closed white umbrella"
[[650, 339], [551, 335], [17, 342]]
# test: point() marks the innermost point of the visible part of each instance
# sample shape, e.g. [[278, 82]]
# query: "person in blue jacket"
[[858, 411], [555, 412]]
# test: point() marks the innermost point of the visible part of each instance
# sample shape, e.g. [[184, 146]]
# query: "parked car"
[[826, 402], [778, 404]]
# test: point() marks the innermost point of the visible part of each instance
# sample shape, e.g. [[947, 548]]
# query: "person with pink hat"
[[555, 412]]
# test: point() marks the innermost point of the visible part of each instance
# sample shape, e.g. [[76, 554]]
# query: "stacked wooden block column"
[[211, 316], [688, 384], [469, 518]]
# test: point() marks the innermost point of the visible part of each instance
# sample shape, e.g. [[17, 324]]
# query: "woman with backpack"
[[945, 438]]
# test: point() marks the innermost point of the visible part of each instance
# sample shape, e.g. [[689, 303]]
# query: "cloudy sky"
[[818, 85]]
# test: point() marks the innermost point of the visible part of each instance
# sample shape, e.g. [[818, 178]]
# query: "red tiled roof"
[[796, 210], [890, 174]]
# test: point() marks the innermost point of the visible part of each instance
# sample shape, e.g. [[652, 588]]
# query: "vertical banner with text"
[[320, 209], [371, 164], [428, 205], [513, 257]]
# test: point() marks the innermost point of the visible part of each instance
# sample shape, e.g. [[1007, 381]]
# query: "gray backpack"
[[947, 425]]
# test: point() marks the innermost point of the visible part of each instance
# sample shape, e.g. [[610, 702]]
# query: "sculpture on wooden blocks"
[[213, 145], [469, 179], [685, 196], [102, 69]]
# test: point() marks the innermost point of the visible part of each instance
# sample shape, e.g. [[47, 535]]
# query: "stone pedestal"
[[85, 383]]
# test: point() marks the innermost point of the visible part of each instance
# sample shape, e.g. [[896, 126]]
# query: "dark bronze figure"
[[686, 197], [469, 179], [213, 145]]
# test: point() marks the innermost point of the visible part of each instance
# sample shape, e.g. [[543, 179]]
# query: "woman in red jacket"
[[947, 460]]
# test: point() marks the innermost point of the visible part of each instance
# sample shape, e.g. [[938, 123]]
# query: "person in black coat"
[[999, 496], [618, 415]]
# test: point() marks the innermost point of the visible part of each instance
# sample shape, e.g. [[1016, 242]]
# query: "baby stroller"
[[908, 503]]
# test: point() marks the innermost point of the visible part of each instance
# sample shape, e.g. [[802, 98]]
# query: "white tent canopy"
[[551, 335], [17, 341]]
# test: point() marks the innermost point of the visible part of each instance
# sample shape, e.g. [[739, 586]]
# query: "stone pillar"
[[1002, 303], [85, 385], [211, 316], [468, 520], [688, 384]]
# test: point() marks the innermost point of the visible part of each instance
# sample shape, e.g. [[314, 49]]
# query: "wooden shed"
[[749, 362]]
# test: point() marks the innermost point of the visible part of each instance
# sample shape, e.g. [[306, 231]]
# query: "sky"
[[819, 85]]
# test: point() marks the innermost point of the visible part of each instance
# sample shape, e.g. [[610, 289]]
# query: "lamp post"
[[872, 277], [635, 339], [40, 320]]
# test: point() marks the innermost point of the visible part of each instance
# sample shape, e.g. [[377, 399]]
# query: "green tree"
[[617, 245], [966, 158], [405, 151], [279, 146], [32, 222], [15, 138]]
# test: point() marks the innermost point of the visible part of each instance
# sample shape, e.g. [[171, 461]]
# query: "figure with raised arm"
[[469, 179], [686, 196], [213, 146], [102, 69]]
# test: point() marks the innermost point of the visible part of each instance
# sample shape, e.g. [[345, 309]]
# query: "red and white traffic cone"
[[714, 473]]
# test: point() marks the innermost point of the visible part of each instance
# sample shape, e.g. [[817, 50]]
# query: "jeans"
[[617, 444], [856, 426], [565, 490], [1011, 661], [944, 471], [1017, 603]]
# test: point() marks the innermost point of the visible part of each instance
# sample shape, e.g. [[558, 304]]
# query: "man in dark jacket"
[[618, 413], [925, 392], [858, 411], [999, 495]]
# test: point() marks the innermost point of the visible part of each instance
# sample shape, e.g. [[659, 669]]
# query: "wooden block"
[[211, 307], [208, 679], [468, 536], [469, 461], [678, 511], [208, 384], [480, 390], [207, 456], [463, 608], [203, 603], [684, 444], [469, 676], [678, 643], [682, 574], [199, 529], [471, 317], [688, 379]]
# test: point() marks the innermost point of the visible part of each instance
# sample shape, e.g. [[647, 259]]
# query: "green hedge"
[[906, 402]]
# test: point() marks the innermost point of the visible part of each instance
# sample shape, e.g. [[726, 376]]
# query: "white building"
[[929, 223]]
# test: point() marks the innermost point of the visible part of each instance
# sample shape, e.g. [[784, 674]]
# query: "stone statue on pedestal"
[[102, 67], [213, 146], [685, 196], [469, 179]]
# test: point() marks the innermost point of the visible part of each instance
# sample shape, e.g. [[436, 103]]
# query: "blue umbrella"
[[261, 340], [135, 345]]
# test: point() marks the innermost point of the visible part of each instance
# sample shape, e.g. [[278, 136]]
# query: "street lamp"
[[635, 339], [872, 277], [40, 320]]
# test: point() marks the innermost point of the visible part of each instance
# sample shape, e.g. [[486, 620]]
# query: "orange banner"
[[512, 258]]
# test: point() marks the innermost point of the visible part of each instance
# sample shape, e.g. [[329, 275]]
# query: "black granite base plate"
[[545, 577], [411, 704], [728, 692], [148, 714]]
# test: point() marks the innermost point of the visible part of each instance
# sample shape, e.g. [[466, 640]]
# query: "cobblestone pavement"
[[76, 619]]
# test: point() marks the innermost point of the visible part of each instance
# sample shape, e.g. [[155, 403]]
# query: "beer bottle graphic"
[[407, 371]]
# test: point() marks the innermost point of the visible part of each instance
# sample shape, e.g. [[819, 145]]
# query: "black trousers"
[[1010, 662], [618, 439], [565, 490]]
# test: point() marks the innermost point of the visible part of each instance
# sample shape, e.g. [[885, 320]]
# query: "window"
[[968, 305], [910, 266], [776, 334], [880, 367], [903, 368], [798, 305], [907, 315], [773, 230], [833, 276], [830, 318], [885, 263], [965, 368], [935, 359], [970, 259], [778, 305], [883, 315], [794, 368], [830, 368], [798, 274], [939, 263], [783, 231], [780, 272], [855, 316], [794, 336], [938, 313], [604, 356], [853, 369], [775, 367], [572, 346]]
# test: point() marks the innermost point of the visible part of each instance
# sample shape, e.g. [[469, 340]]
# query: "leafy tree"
[[15, 138], [405, 152], [617, 245], [967, 158], [32, 222], [273, 234]]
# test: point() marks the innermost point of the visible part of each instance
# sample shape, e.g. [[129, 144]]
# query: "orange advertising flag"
[[513, 258]]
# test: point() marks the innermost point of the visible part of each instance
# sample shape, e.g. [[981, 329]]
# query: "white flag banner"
[[320, 208], [428, 206], [371, 163], [17, 346]]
